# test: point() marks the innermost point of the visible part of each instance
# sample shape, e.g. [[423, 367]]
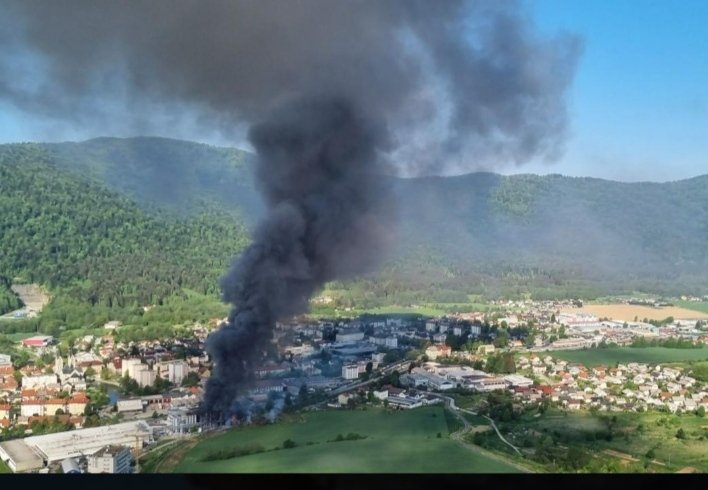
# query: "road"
[[450, 402]]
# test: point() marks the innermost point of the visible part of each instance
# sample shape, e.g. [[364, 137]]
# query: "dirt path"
[[459, 437]]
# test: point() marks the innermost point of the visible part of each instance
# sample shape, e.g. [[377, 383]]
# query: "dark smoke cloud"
[[462, 85], [337, 93], [320, 175]]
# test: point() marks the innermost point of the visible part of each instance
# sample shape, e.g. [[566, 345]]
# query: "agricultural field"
[[650, 355], [694, 305], [628, 313], [375, 441]]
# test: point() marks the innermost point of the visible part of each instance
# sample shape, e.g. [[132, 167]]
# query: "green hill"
[[122, 223], [96, 250]]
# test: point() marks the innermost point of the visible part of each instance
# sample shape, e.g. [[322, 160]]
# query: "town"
[[98, 405]]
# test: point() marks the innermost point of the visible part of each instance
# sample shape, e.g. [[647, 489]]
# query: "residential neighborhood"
[[402, 362]]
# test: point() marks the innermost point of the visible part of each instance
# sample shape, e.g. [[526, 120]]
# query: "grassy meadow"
[[415, 441], [649, 355]]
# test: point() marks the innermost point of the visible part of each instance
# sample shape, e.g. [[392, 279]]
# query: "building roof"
[[62, 445], [110, 450]]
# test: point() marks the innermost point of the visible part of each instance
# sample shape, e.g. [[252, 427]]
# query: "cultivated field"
[[694, 305], [396, 442], [629, 312], [612, 355]]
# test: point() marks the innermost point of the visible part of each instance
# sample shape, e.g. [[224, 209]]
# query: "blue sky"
[[638, 105]]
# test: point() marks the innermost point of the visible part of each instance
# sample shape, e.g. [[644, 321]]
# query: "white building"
[[39, 381], [177, 371], [431, 327], [518, 380], [349, 336], [350, 371], [5, 360], [475, 330], [128, 366], [110, 459], [37, 451], [145, 376], [489, 384], [389, 342], [132, 405]]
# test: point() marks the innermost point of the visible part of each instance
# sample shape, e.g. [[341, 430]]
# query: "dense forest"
[[110, 226], [97, 248]]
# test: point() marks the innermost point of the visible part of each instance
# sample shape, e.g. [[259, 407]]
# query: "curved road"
[[450, 402]]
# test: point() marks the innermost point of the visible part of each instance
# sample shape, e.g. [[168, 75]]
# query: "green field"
[[4, 468], [633, 434], [396, 442], [612, 355], [701, 306]]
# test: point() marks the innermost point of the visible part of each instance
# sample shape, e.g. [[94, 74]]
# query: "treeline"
[[672, 343], [97, 248]]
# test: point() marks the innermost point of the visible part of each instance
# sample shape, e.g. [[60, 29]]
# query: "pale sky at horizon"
[[638, 105]]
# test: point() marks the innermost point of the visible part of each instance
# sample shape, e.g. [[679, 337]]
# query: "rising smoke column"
[[320, 174]]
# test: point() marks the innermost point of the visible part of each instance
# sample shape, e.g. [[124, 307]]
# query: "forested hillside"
[[94, 247], [112, 225]]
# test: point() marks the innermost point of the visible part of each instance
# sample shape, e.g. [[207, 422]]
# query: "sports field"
[[649, 355], [628, 313], [395, 442]]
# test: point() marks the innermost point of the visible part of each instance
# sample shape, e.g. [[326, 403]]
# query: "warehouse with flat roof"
[[37, 451]]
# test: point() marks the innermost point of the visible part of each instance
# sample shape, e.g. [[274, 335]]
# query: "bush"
[[289, 444], [233, 453]]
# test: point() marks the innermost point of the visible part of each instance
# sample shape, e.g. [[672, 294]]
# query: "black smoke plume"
[[332, 89], [320, 174]]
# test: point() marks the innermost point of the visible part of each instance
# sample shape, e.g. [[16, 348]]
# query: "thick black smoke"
[[320, 174], [333, 89], [462, 85]]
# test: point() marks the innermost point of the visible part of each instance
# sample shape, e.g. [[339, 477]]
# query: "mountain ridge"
[[481, 233]]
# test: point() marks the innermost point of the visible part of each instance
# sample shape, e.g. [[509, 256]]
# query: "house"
[[435, 351], [76, 404], [381, 395], [485, 349], [38, 341], [5, 410], [344, 398]]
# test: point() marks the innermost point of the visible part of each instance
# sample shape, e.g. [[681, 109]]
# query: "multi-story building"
[[110, 459], [350, 371]]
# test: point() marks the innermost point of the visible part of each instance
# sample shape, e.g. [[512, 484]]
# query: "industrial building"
[[110, 459], [35, 452]]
